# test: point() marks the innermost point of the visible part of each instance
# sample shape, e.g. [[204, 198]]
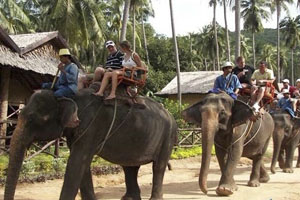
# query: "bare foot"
[[98, 94], [110, 97]]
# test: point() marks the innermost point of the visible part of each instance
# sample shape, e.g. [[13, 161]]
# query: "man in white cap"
[[286, 103], [227, 82], [66, 85], [286, 85], [113, 62]]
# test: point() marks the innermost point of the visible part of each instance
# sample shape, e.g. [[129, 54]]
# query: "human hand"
[[61, 66], [240, 74], [109, 70]]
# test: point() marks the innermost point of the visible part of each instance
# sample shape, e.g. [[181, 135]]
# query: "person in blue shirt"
[[66, 85], [227, 82], [286, 103]]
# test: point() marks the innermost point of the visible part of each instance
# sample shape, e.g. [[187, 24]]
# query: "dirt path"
[[180, 183]]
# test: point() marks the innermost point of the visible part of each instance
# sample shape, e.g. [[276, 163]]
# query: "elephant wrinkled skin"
[[222, 121], [138, 136], [286, 137]]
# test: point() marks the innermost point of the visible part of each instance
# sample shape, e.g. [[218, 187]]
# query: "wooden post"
[[56, 149], [4, 91]]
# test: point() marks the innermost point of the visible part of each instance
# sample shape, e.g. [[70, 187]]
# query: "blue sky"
[[192, 15]]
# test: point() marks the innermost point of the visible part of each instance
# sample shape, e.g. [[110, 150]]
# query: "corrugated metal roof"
[[198, 82]]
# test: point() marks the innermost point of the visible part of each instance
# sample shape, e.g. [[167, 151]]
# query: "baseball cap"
[[285, 81], [227, 64], [285, 91], [109, 43]]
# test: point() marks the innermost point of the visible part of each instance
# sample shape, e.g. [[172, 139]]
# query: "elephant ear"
[[241, 112], [67, 111]]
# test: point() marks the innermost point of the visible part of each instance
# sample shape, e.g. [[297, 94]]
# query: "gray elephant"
[[286, 137], [138, 136], [225, 123]]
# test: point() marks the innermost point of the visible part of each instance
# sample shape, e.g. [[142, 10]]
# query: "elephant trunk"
[[209, 128], [17, 150]]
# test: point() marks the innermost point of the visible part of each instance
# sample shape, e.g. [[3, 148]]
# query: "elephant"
[[136, 137], [226, 123], [286, 137]]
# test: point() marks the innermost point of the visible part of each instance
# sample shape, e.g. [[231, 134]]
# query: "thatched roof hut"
[[26, 61], [194, 85]]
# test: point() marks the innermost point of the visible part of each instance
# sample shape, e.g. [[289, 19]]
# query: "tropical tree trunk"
[[278, 44], [4, 89], [253, 49], [216, 35], [205, 62], [133, 23], [125, 20], [237, 29], [226, 28], [176, 54], [145, 41], [293, 67]]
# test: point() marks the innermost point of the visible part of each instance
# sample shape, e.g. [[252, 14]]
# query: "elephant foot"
[[281, 164], [226, 190], [273, 170], [254, 183], [288, 170], [130, 198], [264, 179]]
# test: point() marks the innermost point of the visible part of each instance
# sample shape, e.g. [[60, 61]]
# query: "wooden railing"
[[189, 137]]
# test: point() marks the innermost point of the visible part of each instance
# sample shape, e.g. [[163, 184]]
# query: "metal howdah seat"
[[133, 76], [268, 97]]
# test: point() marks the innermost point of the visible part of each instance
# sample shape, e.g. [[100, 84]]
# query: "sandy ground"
[[180, 183]]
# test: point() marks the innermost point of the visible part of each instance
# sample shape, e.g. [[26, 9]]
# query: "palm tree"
[[226, 28], [268, 54], [290, 28], [13, 18], [245, 47], [278, 5], [125, 19], [214, 4], [253, 11], [176, 54], [237, 28]]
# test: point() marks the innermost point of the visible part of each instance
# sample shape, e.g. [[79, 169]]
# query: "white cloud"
[[192, 15]]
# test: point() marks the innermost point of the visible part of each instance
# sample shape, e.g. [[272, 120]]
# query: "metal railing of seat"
[[189, 137]]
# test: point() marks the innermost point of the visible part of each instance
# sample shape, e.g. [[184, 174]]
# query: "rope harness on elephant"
[[246, 133]]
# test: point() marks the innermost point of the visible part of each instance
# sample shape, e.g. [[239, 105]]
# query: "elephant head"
[[42, 119], [216, 112]]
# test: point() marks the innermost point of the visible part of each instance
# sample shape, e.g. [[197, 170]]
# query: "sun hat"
[[64, 52], [298, 80], [285, 91], [227, 64], [286, 80], [109, 43]]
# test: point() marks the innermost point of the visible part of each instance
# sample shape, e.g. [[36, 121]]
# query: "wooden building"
[[26, 61], [194, 85]]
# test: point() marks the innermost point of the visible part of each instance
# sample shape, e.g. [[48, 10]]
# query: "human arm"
[[72, 73]]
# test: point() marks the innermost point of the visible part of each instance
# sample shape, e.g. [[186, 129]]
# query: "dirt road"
[[180, 183]]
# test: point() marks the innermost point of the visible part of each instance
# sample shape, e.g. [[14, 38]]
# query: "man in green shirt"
[[259, 79]]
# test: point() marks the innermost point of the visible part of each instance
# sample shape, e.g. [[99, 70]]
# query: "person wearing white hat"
[[113, 62], [259, 79], [286, 85], [66, 85], [227, 82], [286, 103]]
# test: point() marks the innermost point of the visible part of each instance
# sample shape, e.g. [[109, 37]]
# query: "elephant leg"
[[78, 162], [264, 176], [222, 157], [255, 174], [133, 191], [289, 158], [277, 141], [298, 161], [227, 184], [86, 186]]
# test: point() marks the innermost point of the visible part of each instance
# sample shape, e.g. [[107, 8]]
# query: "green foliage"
[[174, 108], [3, 164], [181, 153]]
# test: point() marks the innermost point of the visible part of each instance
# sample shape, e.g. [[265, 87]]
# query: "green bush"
[[43, 163], [180, 153], [3, 165]]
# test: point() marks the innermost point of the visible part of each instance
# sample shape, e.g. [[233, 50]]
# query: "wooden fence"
[[188, 137]]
